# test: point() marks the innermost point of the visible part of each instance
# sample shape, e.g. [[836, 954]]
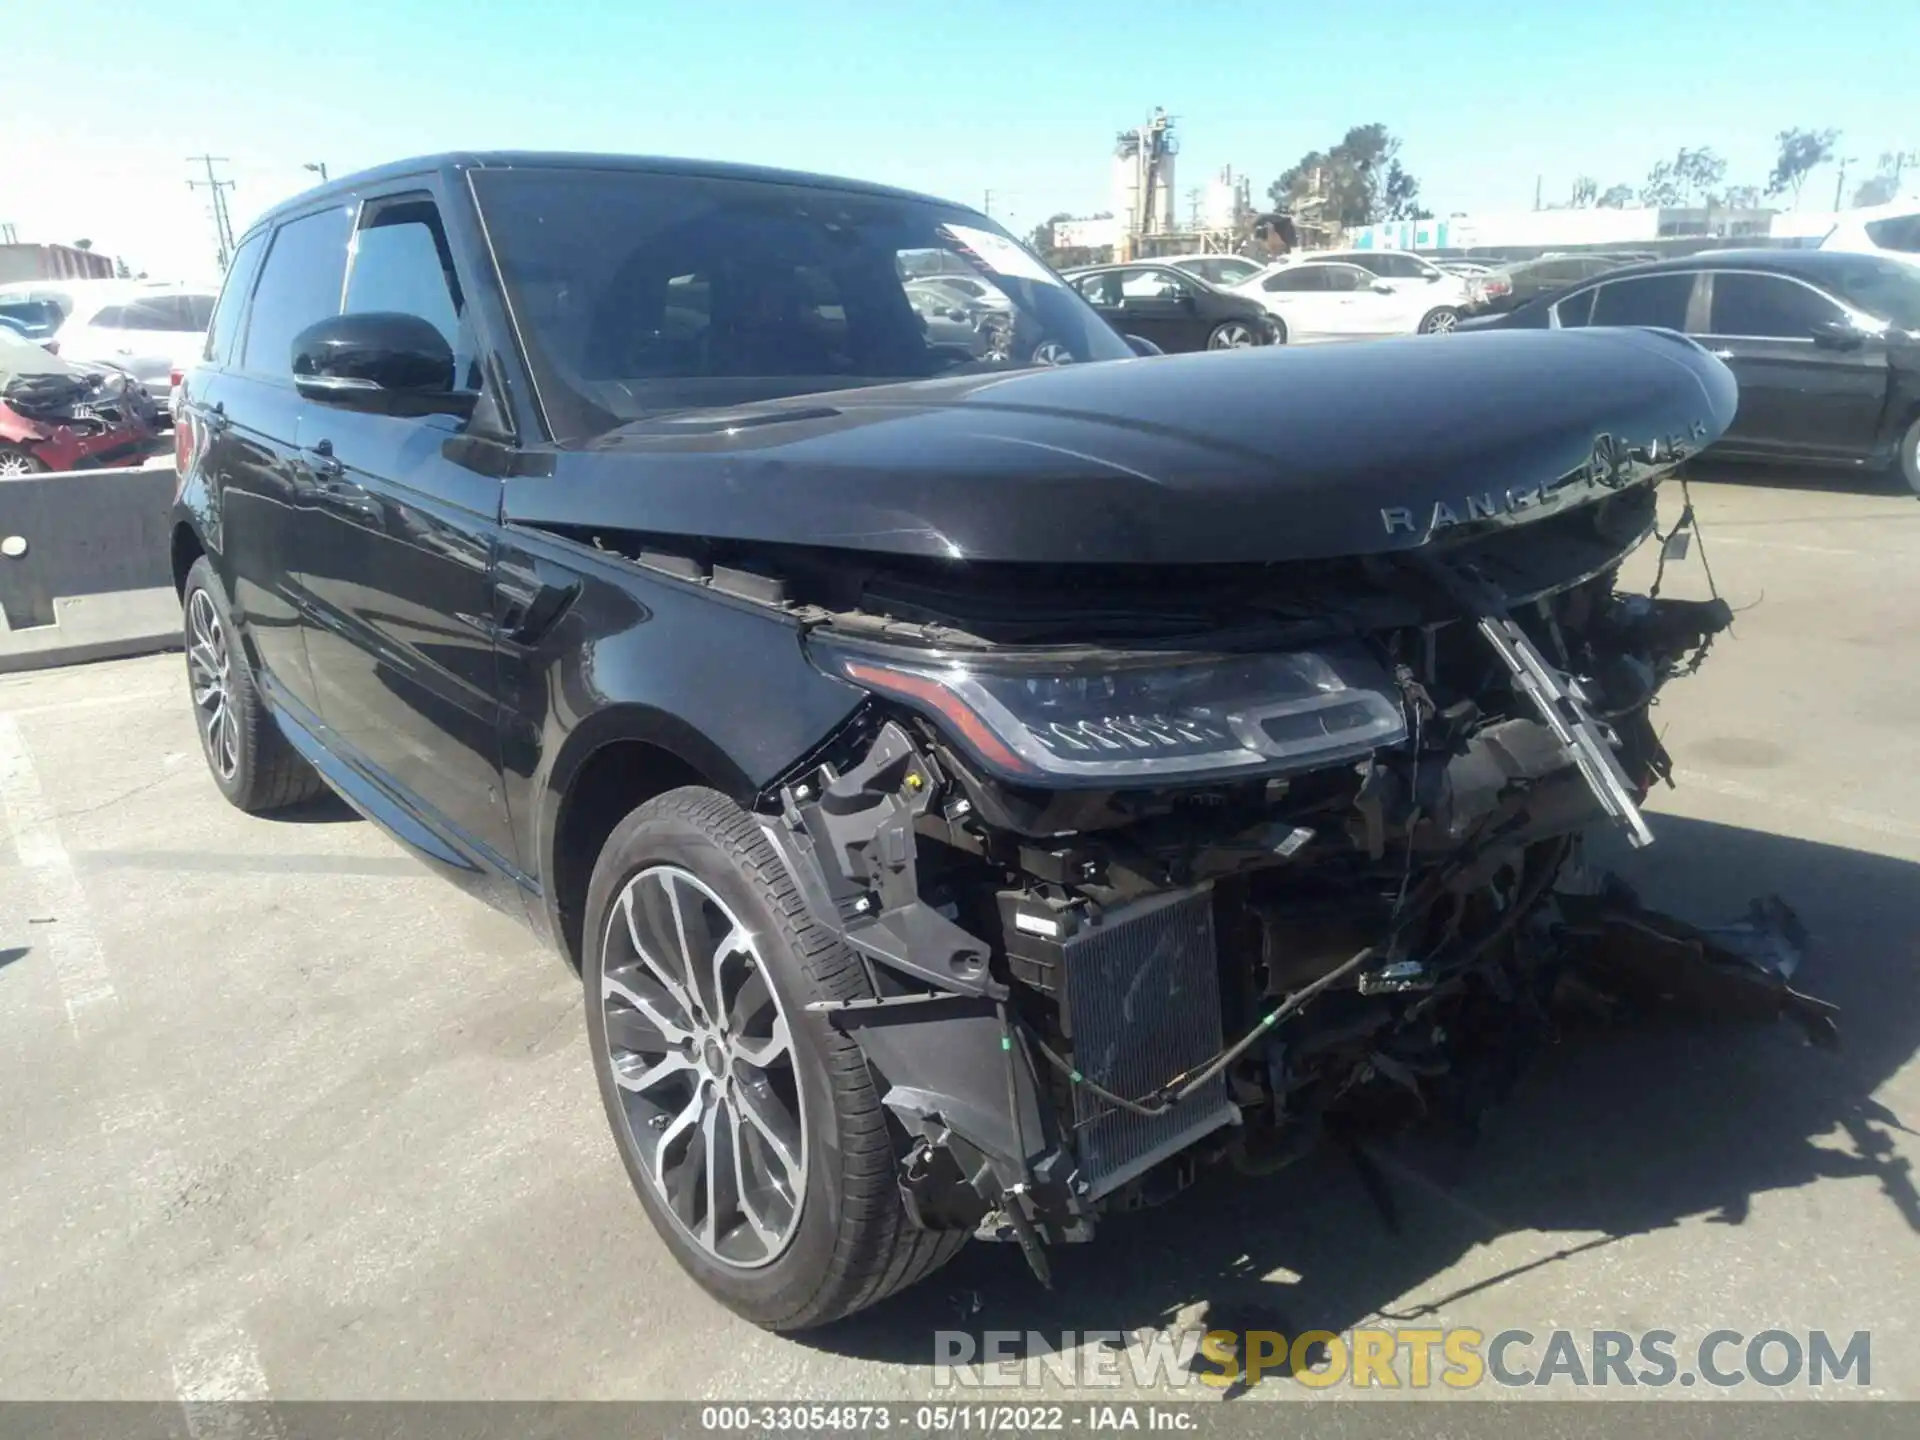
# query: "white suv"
[[150, 330]]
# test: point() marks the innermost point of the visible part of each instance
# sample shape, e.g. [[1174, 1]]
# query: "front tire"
[[1443, 321], [1909, 462], [750, 1127], [16, 462], [248, 757]]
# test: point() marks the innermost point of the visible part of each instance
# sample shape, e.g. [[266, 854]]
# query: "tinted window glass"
[[1101, 289], [1305, 277], [1650, 300], [1349, 277], [154, 312], [225, 321], [805, 291], [1897, 232], [300, 284], [1767, 306], [1575, 309], [114, 317], [199, 311], [401, 263]]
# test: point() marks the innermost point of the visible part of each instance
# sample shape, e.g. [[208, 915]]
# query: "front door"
[[1801, 393], [399, 549], [1157, 304]]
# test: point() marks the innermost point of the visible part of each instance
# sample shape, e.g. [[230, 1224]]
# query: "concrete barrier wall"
[[84, 566]]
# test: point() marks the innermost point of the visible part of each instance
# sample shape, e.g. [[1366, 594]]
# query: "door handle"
[[320, 459]]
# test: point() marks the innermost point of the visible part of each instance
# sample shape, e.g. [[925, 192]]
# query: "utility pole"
[[986, 203], [222, 226], [318, 167], [1840, 184]]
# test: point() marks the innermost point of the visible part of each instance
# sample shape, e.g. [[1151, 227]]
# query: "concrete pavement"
[[284, 1116]]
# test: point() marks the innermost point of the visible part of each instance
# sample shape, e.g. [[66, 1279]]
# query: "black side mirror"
[[1838, 335], [1433, 277], [382, 362], [1381, 287], [1143, 346]]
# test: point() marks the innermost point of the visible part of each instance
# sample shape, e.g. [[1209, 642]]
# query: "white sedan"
[[1328, 300]]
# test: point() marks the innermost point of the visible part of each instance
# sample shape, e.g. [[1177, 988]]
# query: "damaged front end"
[[1160, 867]]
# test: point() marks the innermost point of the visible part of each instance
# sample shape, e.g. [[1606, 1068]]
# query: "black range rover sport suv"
[[977, 785]]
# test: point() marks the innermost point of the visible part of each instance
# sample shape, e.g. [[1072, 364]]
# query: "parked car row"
[[150, 330]]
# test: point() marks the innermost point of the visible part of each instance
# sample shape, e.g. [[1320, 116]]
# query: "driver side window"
[[401, 262]]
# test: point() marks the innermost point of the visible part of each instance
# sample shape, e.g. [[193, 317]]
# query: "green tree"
[[1615, 197], [1042, 237], [1586, 190], [1355, 182], [1692, 177], [1801, 151]]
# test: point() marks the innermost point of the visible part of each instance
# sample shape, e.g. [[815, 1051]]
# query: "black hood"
[[1261, 454]]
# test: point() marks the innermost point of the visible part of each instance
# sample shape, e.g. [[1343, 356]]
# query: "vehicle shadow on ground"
[[1614, 1133], [1812, 478], [326, 808]]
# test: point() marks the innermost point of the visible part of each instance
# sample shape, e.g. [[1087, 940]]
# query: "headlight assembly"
[[1035, 719]]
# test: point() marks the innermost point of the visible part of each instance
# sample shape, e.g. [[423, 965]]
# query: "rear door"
[[1799, 395], [1101, 290], [1300, 296], [251, 405], [398, 554]]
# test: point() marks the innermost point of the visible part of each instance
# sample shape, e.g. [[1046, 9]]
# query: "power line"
[[222, 224]]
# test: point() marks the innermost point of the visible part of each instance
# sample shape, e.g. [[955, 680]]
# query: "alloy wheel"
[[1052, 352], [1232, 336], [1442, 323], [210, 670], [703, 1058], [16, 463]]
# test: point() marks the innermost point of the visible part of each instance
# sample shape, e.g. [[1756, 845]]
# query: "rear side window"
[[299, 285], [1649, 300], [224, 324], [1101, 289], [1349, 277], [153, 312], [1767, 307], [1310, 277]]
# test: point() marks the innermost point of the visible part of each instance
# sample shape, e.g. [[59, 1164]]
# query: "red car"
[[57, 416]]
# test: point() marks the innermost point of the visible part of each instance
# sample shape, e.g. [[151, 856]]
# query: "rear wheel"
[[250, 760], [1440, 322], [1910, 456], [751, 1129], [15, 462], [1233, 335]]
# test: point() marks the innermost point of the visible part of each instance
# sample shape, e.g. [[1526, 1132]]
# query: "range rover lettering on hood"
[[1613, 465]]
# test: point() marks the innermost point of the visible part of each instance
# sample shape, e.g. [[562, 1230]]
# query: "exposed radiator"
[[1142, 996]]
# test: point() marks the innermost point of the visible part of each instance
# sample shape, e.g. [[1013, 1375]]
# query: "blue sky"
[[957, 99]]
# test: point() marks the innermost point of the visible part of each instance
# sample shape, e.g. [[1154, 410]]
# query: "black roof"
[[461, 160], [1808, 264]]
